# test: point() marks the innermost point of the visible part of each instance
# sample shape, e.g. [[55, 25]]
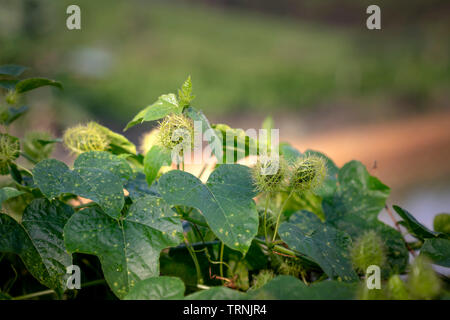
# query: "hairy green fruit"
[[9, 151], [368, 250], [423, 282], [269, 174], [34, 148], [262, 278], [442, 223], [309, 172], [364, 293], [291, 268], [174, 129], [84, 138], [397, 288]]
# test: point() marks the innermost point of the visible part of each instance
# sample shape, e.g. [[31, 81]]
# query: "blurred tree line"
[[345, 12]]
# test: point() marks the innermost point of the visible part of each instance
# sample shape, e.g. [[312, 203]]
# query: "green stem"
[[197, 265], [279, 215], [203, 170], [34, 295], [217, 262], [265, 217], [21, 187], [205, 247], [221, 263], [50, 291], [302, 274], [197, 232], [10, 283], [198, 222], [29, 158], [24, 169], [222, 247], [93, 283], [277, 248], [284, 250]]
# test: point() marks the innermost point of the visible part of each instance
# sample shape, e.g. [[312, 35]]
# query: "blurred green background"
[[312, 64], [242, 55]]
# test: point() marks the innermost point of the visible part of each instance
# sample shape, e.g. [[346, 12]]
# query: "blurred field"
[[129, 52], [378, 96]]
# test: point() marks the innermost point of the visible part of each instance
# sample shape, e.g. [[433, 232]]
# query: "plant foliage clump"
[[139, 226]]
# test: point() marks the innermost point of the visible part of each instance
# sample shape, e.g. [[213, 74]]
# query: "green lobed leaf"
[[39, 240], [97, 176], [129, 248], [415, 227], [165, 105], [255, 258], [213, 139], [226, 201], [154, 159], [358, 194], [45, 142], [236, 144], [185, 94], [157, 288], [354, 209], [138, 187], [34, 83], [8, 193], [12, 70], [327, 246], [438, 250], [290, 288], [289, 153], [105, 161]]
